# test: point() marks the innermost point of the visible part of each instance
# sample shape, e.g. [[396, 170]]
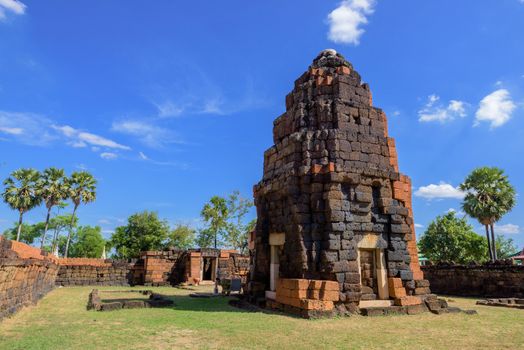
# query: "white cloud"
[[13, 6], [108, 155], [496, 108], [457, 212], [11, 131], [440, 191], [26, 128], [346, 21], [168, 109], [441, 113], [149, 134], [79, 138], [142, 156], [419, 226], [509, 229]]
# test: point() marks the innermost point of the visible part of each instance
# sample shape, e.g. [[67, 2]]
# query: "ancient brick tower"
[[332, 205]]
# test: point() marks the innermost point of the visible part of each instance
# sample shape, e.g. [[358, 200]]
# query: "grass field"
[[60, 321]]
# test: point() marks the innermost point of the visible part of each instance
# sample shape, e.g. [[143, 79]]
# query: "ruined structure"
[[335, 225], [26, 275]]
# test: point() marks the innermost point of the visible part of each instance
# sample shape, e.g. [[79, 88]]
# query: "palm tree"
[[53, 190], [489, 196], [21, 193], [82, 189], [215, 213]]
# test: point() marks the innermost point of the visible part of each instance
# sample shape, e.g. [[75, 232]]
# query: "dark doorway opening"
[[208, 269]]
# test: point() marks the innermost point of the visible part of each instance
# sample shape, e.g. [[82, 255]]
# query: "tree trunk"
[[70, 232], [55, 241], [489, 244], [493, 241], [19, 226], [46, 227]]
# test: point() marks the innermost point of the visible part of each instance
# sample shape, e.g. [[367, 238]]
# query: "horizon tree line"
[[27, 188]]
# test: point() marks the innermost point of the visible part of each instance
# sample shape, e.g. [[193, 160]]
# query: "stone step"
[[375, 303]]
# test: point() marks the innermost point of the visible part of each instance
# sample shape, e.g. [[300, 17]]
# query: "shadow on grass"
[[219, 304]]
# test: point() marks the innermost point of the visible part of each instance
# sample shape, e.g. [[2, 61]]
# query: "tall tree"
[[53, 190], [21, 193], [449, 238], [59, 224], [181, 237], [489, 196], [215, 214], [87, 243], [144, 231], [205, 238], [237, 231], [82, 189]]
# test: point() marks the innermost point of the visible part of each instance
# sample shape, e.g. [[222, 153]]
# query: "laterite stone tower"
[[335, 229]]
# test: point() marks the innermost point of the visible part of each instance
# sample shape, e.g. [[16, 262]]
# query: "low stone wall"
[[26, 275], [497, 281], [98, 272]]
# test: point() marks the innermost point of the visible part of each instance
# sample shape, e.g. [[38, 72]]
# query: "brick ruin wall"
[[330, 181], [489, 281], [99, 272], [178, 266], [26, 275]]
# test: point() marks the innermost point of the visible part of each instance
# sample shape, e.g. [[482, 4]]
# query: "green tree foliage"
[[144, 231], [81, 189], [181, 237], [505, 247], [215, 214], [489, 196], [237, 231], [53, 189], [29, 233], [87, 242], [58, 225], [452, 239], [21, 193], [225, 222], [205, 238]]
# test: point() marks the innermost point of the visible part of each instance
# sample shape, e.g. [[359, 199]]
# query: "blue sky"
[[168, 103]]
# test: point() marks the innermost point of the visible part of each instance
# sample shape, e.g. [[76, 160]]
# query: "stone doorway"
[[208, 269], [373, 271], [276, 242], [368, 274]]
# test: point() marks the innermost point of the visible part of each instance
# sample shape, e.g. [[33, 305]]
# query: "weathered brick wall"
[[98, 272], [499, 281], [163, 267], [26, 275], [234, 266]]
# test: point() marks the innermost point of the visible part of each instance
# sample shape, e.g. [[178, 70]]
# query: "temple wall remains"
[[497, 281], [99, 272], [26, 275]]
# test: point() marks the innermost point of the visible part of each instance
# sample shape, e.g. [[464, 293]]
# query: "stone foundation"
[[308, 298], [155, 300], [489, 281], [26, 275]]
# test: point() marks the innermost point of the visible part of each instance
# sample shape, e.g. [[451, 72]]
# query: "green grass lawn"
[[60, 321]]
